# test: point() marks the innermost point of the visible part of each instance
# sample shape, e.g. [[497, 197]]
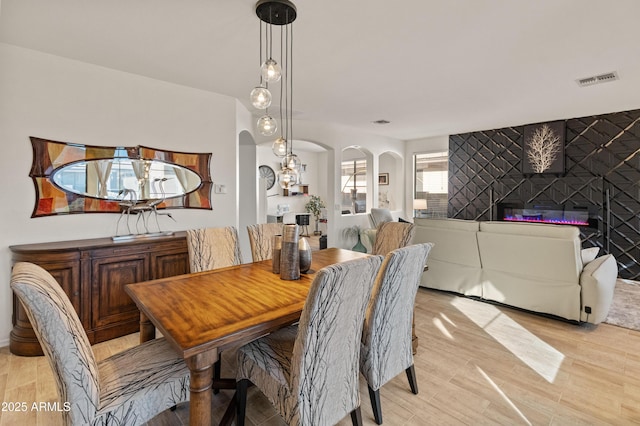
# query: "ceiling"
[[429, 67]]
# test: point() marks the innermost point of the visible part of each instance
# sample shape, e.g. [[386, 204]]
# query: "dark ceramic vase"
[[304, 250]]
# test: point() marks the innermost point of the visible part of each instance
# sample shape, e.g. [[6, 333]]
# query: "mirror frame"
[[49, 156]]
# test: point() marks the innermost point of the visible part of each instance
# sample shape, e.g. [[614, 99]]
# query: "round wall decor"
[[268, 173]]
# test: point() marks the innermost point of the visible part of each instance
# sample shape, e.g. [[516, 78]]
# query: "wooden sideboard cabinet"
[[93, 274]]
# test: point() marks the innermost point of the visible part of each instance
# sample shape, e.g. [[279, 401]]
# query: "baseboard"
[[4, 343]]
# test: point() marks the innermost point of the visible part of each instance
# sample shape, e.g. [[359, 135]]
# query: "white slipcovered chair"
[[386, 348], [212, 248], [309, 372], [128, 388]]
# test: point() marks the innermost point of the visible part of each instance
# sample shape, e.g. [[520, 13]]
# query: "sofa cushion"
[[539, 257], [454, 261], [534, 229], [455, 224], [454, 240]]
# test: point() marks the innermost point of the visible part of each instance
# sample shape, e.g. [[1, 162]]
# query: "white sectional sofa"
[[536, 267]]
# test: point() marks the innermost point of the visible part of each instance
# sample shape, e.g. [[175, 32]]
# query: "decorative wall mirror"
[[73, 178]]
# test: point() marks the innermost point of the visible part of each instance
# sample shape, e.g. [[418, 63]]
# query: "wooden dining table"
[[202, 313]]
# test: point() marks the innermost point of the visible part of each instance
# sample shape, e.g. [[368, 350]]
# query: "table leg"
[[201, 367], [147, 329]]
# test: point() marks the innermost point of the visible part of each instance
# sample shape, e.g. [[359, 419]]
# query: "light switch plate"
[[219, 188]]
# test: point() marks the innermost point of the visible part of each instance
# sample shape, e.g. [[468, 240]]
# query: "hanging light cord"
[[290, 77], [260, 51], [282, 80]]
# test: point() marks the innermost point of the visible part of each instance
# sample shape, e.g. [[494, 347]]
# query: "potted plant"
[[354, 232], [315, 206]]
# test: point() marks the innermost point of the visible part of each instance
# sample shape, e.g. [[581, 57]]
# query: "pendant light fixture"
[[281, 13]]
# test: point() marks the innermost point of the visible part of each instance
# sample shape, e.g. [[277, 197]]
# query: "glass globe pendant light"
[[267, 125], [280, 13], [291, 161], [279, 147], [271, 71], [260, 97], [287, 178]]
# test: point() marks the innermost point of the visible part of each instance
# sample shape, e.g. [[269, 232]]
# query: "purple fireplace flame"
[[553, 214]]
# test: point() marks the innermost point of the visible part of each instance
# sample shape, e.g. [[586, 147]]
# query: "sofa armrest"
[[589, 254], [598, 280]]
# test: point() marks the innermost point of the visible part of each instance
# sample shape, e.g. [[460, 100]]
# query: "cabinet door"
[[113, 312], [169, 263]]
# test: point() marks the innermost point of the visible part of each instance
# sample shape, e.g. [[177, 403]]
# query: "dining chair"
[[391, 236], [261, 239], [302, 220], [378, 216], [128, 388], [309, 371], [386, 339], [212, 248]]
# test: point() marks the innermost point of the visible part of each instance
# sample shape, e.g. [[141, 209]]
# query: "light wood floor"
[[477, 364]]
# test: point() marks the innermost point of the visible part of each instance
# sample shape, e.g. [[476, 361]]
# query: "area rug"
[[625, 309]]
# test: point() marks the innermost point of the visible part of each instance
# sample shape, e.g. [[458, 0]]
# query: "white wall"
[[247, 191], [393, 191], [60, 99]]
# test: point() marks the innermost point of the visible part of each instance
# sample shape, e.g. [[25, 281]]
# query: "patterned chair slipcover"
[[309, 372], [261, 239], [128, 388], [386, 339], [212, 248], [393, 235]]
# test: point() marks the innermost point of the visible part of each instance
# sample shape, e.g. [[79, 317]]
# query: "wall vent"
[[597, 79]]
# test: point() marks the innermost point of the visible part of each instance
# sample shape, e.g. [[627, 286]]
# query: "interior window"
[[431, 179], [354, 186]]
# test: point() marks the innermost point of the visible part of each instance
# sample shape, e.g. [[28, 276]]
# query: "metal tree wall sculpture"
[[543, 148]]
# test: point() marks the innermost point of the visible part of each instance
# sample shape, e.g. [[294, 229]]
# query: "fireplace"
[[557, 214]]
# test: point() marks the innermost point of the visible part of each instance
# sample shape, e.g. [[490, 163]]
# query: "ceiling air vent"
[[381, 122], [597, 79]]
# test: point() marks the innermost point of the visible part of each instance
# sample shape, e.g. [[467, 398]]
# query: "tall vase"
[[289, 255], [359, 246], [275, 257]]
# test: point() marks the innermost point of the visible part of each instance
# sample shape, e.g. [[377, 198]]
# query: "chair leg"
[[411, 375], [241, 401], [374, 396], [356, 417], [216, 372]]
